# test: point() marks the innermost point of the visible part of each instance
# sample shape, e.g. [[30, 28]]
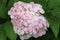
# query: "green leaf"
[[10, 3], [56, 12], [3, 10], [55, 29], [9, 31], [54, 3], [2, 34], [54, 23], [4, 1]]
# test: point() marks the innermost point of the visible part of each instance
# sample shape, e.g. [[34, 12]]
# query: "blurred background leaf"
[[9, 31], [55, 29], [54, 4], [4, 1], [3, 10], [56, 12], [54, 23], [2, 34]]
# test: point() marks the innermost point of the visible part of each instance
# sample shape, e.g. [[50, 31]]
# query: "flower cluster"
[[27, 20]]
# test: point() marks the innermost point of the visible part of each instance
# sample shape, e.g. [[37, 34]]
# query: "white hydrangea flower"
[[27, 20]]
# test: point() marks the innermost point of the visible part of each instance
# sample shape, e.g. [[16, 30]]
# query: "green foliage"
[[55, 21], [9, 30], [4, 1], [54, 24], [56, 12], [2, 34], [53, 15], [2, 10], [55, 28], [54, 4]]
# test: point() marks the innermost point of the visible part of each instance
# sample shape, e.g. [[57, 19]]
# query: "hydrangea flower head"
[[27, 20]]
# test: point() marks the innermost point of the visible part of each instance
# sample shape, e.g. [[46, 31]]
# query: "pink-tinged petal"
[[30, 28], [25, 30]]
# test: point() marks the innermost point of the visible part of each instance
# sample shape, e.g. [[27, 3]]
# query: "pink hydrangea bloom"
[[27, 20]]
